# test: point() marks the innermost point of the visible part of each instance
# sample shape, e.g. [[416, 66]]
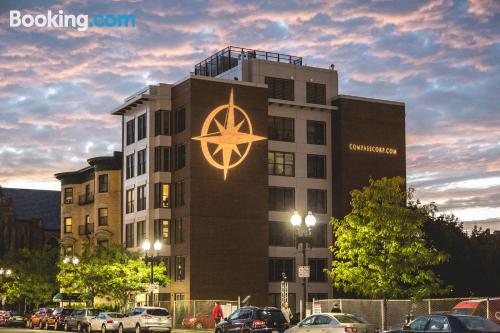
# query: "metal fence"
[[399, 312]]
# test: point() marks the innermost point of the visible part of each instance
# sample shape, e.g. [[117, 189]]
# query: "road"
[[36, 330]]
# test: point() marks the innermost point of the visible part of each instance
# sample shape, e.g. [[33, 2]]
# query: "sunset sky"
[[58, 85]]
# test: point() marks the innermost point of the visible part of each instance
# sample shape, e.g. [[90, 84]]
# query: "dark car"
[[59, 317], [450, 323], [16, 319], [253, 320]]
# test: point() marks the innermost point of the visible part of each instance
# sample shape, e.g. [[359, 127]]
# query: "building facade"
[[91, 204], [216, 164]]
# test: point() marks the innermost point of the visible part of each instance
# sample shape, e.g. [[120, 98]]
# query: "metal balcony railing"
[[86, 229], [86, 198]]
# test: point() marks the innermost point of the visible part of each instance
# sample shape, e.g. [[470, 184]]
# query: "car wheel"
[[120, 328], [137, 329], [46, 326], [30, 324], [198, 325], [78, 327], [103, 328], [89, 328], [56, 326], [66, 326]]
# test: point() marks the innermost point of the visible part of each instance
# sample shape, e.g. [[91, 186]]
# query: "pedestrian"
[[286, 312], [336, 308], [217, 313]]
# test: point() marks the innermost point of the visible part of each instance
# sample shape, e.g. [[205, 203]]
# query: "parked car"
[[105, 321], [60, 315], [450, 323], [146, 318], [16, 319], [79, 319], [201, 320], [39, 317], [4, 316], [333, 323], [252, 319], [479, 308]]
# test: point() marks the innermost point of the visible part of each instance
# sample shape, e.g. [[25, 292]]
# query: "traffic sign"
[[304, 271]]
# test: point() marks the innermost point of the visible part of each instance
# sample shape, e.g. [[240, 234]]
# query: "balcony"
[[86, 199], [86, 229]]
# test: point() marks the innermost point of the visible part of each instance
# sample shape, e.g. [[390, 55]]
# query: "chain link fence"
[[399, 312]]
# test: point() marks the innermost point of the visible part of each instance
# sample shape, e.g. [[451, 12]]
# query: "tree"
[[380, 250], [109, 271]]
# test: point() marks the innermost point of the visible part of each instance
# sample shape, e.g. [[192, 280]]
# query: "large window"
[[162, 159], [141, 162], [129, 235], [316, 132], [103, 216], [141, 198], [180, 120], [180, 156], [178, 231], [316, 166], [316, 201], [130, 131], [281, 199], [280, 163], [180, 268], [130, 166], [316, 93], [68, 225], [68, 195], [142, 126], [280, 88], [130, 201], [281, 234], [103, 183], [162, 195], [277, 266], [319, 232], [179, 192], [162, 230], [141, 232], [162, 122], [317, 265], [281, 129]]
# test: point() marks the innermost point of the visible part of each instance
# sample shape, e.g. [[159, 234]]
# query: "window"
[[68, 225], [281, 265], [316, 201], [68, 195], [130, 131], [316, 132], [162, 159], [281, 199], [180, 264], [180, 156], [178, 231], [281, 234], [103, 216], [141, 232], [280, 88], [102, 242], [316, 166], [68, 251], [180, 120], [419, 324], [162, 122], [179, 194], [130, 166], [280, 163], [130, 201], [316, 93], [318, 233], [162, 195], [317, 265], [281, 129], [103, 183], [167, 261], [141, 127], [141, 162], [141, 197], [323, 320], [440, 324], [129, 235], [162, 230]]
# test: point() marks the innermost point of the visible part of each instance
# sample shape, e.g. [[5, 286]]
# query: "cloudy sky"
[[58, 85]]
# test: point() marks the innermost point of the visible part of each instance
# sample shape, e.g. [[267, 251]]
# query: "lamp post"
[[7, 273], [146, 246], [303, 237], [70, 261]]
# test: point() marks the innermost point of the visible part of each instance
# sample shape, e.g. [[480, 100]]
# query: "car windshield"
[[93, 312], [344, 319], [271, 315], [463, 311], [479, 324], [66, 311], [115, 315], [157, 312]]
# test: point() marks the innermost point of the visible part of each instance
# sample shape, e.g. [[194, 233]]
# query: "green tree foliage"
[[33, 278], [108, 271], [380, 249]]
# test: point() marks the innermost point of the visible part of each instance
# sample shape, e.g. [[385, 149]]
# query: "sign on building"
[[304, 271]]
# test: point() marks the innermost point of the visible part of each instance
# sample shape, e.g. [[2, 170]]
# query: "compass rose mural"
[[227, 136]]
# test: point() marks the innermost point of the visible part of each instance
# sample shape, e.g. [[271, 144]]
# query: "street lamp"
[[74, 261], [146, 246], [7, 273], [303, 237]]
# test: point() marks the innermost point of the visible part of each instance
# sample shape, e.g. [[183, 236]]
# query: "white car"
[[333, 323], [146, 318], [105, 321]]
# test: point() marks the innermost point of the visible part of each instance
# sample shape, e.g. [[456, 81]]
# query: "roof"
[[36, 204]]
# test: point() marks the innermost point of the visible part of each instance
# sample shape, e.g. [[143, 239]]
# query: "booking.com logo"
[[60, 20]]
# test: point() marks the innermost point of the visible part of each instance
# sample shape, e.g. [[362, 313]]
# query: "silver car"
[[147, 318], [105, 321], [333, 323]]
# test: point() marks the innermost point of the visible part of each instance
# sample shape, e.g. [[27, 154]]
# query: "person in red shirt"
[[217, 313]]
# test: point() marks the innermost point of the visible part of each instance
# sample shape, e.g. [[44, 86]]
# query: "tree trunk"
[[384, 315]]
